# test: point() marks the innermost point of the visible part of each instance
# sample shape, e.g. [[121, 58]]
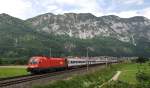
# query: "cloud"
[[131, 13], [62, 6], [138, 2], [145, 12], [29, 8], [17, 8], [125, 14], [78, 6]]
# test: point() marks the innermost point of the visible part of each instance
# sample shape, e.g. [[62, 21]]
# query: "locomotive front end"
[[33, 65]]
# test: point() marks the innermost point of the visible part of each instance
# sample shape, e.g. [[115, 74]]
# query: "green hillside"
[[19, 40]]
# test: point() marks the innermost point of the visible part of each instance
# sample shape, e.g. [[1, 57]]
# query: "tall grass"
[[91, 80]]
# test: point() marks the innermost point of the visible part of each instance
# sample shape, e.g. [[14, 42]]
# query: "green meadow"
[[10, 72], [129, 72], [133, 76]]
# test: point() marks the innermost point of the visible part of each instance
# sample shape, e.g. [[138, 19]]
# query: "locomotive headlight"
[[33, 66], [61, 63]]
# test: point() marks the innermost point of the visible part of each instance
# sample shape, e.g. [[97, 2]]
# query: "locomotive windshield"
[[33, 61]]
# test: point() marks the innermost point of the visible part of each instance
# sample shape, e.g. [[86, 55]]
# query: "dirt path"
[[114, 78]]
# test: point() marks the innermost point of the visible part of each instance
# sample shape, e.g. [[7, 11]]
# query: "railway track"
[[26, 78]]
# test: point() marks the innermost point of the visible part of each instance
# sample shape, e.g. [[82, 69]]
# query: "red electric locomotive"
[[39, 64]]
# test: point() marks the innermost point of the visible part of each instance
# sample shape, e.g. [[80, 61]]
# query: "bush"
[[149, 63], [142, 77], [141, 60], [0, 61], [119, 84], [143, 80]]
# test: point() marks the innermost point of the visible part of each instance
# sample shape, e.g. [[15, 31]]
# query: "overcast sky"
[[24, 9]]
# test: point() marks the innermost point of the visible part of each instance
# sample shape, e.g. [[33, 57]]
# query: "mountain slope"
[[71, 34], [86, 25], [17, 38]]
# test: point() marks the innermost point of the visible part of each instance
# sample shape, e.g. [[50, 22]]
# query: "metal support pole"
[[16, 42], [106, 61], [87, 55], [50, 52]]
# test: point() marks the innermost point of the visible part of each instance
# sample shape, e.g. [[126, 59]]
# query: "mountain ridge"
[[71, 34], [86, 25]]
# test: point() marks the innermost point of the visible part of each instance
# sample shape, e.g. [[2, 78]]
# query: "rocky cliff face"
[[86, 25], [106, 35]]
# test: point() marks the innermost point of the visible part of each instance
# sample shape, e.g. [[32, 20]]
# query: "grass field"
[[129, 72], [10, 72], [91, 80], [128, 77], [94, 80]]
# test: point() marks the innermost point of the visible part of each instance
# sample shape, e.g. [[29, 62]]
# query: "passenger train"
[[38, 64]]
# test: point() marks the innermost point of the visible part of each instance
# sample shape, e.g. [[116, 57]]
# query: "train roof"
[[45, 57]]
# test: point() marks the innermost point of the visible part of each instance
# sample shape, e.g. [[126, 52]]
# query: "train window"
[[72, 62], [33, 62], [75, 62]]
